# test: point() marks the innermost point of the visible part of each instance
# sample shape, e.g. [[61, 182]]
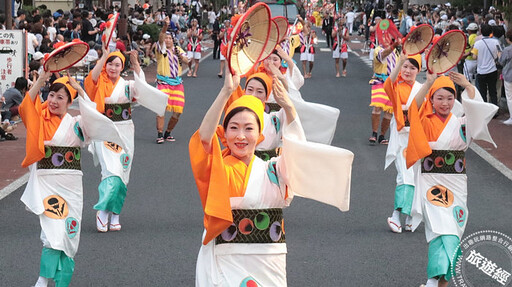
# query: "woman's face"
[[274, 60], [443, 102], [242, 135], [409, 72], [58, 102], [256, 88], [114, 68]]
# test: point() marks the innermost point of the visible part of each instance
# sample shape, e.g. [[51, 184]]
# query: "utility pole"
[[8, 14], [123, 18]]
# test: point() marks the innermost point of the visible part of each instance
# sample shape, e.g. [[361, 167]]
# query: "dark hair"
[[414, 63], [21, 83], [85, 14], [55, 87], [112, 58], [261, 81], [509, 35], [237, 110], [486, 30], [277, 54], [452, 91]]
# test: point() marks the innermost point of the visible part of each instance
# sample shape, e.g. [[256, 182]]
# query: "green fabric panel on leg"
[[56, 265], [112, 192], [65, 271], [49, 262], [404, 195], [441, 252]]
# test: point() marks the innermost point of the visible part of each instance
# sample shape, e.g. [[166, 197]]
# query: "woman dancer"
[[243, 196], [113, 96], [401, 87], [440, 140], [194, 36], [54, 190]]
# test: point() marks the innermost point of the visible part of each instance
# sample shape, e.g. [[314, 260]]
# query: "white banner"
[[12, 57]]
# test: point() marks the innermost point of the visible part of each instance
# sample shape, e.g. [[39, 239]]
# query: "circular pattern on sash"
[[72, 227], [57, 159], [439, 162], [449, 158], [230, 233], [262, 220], [428, 164], [276, 231], [246, 226], [126, 114], [55, 207], [441, 196], [47, 152]]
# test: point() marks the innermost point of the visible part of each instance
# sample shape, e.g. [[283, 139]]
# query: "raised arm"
[[461, 80], [285, 56], [96, 71], [163, 32], [36, 87], [212, 117], [76, 86], [420, 96], [134, 61], [396, 70]]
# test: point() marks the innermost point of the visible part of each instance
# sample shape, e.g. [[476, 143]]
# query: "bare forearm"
[[212, 118]]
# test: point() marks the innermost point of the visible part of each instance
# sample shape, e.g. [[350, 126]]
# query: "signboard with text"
[[12, 57]]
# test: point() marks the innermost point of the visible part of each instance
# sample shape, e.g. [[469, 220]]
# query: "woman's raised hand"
[[231, 81], [73, 83]]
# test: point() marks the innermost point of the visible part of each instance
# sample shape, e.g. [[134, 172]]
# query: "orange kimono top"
[[41, 126], [218, 177], [398, 93]]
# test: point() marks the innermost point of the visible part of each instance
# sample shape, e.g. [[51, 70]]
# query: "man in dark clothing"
[[327, 28], [88, 31], [216, 40], [12, 98]]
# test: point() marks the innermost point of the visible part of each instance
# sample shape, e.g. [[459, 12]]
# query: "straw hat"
[[65, 55], [418, 39], [273, 40], [446, 52], [282, 27], [248, 40], [387, 33]]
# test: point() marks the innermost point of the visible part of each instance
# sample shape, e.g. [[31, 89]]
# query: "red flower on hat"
[[102, 26], [58, 45], [46, 56], [108, 24]]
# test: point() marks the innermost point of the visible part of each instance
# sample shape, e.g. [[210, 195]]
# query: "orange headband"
[[252, 103], [65, 81], [266, 79]]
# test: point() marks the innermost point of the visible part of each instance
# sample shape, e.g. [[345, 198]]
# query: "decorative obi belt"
[[444, 161], [254, 226], [272, 107], [60, 157], [267, 154], [118, 112]]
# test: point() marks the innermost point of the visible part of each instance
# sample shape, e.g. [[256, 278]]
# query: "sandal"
[[10, 137], [373, 138], [189, 74], [344, 74], [219, 75], [396, 228], [99, 225], [383, 140]]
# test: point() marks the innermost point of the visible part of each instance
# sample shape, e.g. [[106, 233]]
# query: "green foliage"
[[151, 29]]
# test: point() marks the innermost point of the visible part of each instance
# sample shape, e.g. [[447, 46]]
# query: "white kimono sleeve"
[[478, 115], [316, 171], [96, 126], [148, 96]]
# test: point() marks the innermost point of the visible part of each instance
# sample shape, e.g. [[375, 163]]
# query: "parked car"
[[285, 8]]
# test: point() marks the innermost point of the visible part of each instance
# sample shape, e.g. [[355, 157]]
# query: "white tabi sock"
[[103, 215], [41, 282], [114, 219], [432, 282], [396, 216], [408, 220]]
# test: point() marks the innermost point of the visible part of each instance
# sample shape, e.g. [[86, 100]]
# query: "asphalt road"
[[162, 216]]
